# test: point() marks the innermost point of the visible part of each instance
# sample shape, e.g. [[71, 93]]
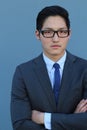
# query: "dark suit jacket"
[[31, 89]]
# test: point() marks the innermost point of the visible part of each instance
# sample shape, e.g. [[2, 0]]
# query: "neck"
[[55, 58]]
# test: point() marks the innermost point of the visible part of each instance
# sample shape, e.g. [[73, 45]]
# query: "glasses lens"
[[47, 33], [63, 33]]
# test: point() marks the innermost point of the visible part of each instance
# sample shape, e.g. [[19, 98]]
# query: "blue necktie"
[[56, 81]]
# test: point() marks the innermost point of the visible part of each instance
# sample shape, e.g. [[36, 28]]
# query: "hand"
[[38, 117], [82, 106]]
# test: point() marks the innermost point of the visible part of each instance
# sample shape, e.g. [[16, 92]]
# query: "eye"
[[48, 31], [63, 31]]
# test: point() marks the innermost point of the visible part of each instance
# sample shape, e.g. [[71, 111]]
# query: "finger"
[[83, 109], [82, 104]]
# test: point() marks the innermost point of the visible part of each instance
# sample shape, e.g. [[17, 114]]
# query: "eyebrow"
[[53, 29]]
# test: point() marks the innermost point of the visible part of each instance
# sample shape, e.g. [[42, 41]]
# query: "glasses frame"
[[68, 31]]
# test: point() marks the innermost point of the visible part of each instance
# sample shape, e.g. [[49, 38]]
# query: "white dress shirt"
[[50, 69]]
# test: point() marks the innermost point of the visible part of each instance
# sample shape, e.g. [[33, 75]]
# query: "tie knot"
[[56, 66]]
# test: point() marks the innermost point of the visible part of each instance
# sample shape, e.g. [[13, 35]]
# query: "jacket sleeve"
[[21, 106], [69, 121]]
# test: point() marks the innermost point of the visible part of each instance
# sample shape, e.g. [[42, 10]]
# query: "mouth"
[[55, 46]]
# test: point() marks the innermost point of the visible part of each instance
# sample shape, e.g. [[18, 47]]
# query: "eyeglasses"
[[62, 33]]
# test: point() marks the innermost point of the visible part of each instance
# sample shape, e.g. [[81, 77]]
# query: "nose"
[[55, 37]]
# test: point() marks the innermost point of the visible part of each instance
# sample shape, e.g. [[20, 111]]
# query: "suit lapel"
[[66, 80], [42, 75]]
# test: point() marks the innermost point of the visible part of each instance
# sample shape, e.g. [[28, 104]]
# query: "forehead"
[[54, 22]]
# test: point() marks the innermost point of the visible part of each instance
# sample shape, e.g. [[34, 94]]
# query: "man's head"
[[52, 11], [53, 30]]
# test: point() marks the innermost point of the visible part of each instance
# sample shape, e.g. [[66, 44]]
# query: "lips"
[[55, 46]]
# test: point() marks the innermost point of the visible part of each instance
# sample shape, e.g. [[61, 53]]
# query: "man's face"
[[55, 46]]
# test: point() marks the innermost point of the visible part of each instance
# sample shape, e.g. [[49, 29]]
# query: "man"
[[33, 103]]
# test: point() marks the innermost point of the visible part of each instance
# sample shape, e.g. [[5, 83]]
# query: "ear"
[[37, 33]]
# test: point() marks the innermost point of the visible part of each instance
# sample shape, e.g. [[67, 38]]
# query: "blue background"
[[18, 42]]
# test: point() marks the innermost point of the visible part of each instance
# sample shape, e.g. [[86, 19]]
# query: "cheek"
[[65, 42], [45, 42]]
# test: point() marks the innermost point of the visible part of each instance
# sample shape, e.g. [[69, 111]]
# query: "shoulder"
[[29, 64], [76, 59]]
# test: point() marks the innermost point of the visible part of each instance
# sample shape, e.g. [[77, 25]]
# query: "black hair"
[[52, 11]]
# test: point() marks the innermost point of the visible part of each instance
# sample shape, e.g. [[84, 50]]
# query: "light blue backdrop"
[[18, 42]]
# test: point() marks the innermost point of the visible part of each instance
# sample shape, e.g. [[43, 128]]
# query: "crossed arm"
[[38, 117]]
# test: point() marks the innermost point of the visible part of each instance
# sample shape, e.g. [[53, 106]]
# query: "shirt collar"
[[49, 62]]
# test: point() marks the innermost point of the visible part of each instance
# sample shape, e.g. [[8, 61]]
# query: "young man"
[[33, 104]]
